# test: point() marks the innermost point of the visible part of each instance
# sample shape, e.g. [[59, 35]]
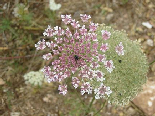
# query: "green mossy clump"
[[130, 70]]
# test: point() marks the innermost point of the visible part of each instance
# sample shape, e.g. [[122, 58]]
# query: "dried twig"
[[16, 57]]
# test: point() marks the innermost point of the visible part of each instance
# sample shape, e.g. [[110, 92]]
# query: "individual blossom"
[[62, 89], [85, 17], [66, 19], [86, 88], [95, 46], [93, 26], [101, 58], [83, 30], [59, 31], [94, 65], [102, 91], [99, 75], [47, 56], [75, 24], [94, 37], [51, 44], [68, 33], [105, 34], [49, 32], [109, 65], [119, 49], [75, 82], [40, 45], [104, 47]]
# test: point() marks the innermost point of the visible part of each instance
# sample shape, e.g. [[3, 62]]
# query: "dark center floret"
[[76, 57]]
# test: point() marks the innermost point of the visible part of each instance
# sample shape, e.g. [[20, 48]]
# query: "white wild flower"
[[53, 6], [34, 78]]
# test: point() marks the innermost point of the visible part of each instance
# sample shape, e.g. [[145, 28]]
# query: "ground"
[[18, 55]]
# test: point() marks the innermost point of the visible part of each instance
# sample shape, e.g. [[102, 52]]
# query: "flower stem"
[[90, 105], [152, 62], [100, 108]]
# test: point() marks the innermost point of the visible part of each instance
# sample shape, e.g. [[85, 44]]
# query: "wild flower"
[[53, 6], [34, 78], [20, 10], [96, 58]]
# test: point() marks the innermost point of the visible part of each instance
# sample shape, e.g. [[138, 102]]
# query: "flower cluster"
[[78, 55], [34, 78]]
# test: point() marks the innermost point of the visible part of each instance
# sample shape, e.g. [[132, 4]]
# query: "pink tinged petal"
[[83, 30], [75, 24], [47, 56], [46, 70], [66, 19], [87, 37], [68, 73], [50, 77], [60, 48], [94, 37], [59, 40], [49, 32], [93, 27], [75, 82], [59, 31], [94, 65], [104, 47], [40, 45], [105, 34], [102, 91], [51, 45], [76, 35], [119, 49], [73, 70], [85, 17], [62, 89], [68, 32], [99, 76], [109, 65], [60, 77], [66, 40], [86, 88], [101, 58], [55, 52]]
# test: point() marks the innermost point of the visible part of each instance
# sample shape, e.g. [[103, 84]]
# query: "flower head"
[[95, 57], [53, 6]]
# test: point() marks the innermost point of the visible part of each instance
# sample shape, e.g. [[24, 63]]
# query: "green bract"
[[130, 70]]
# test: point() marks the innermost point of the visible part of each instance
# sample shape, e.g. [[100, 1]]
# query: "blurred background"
[[23, 91]]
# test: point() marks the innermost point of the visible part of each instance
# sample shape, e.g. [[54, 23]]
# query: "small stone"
[[150, 42], [109, 17], [15, 114], [130, 111], [148, 98], [147, 24], [2, 82]]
